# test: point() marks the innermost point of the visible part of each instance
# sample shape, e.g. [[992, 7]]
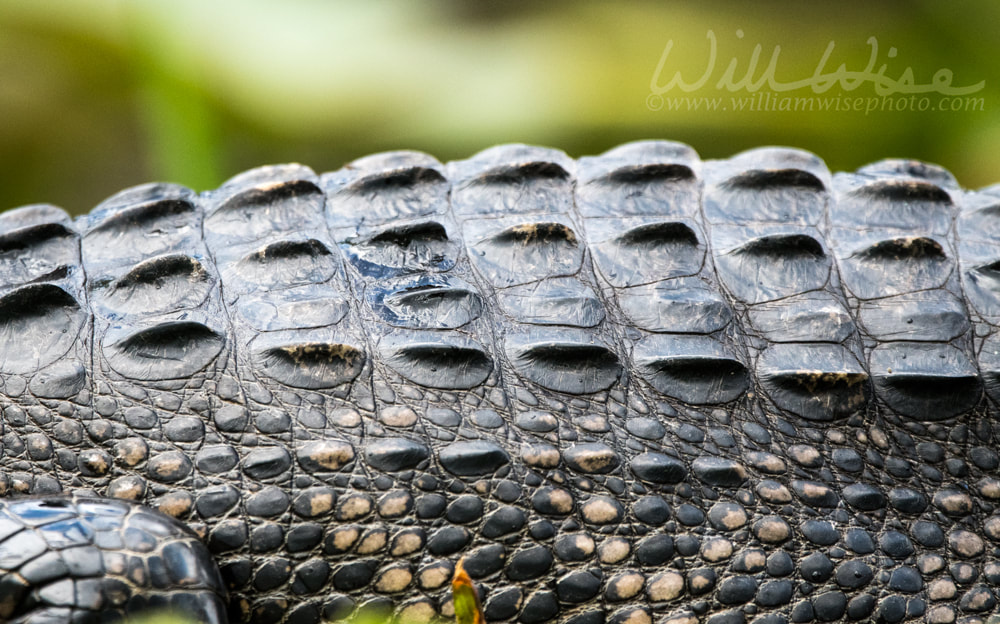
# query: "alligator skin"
[[631, 388]]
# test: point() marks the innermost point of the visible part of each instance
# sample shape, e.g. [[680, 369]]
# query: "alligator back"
[[627, 388]]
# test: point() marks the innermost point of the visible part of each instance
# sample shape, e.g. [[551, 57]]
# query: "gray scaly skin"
[[630, 388]]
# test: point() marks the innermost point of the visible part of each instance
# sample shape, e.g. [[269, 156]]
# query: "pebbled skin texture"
[[630, 388]]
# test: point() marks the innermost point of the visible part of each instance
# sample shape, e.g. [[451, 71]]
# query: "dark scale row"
[[628, 387]]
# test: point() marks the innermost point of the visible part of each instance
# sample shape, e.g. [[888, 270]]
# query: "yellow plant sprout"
[[468, 609]]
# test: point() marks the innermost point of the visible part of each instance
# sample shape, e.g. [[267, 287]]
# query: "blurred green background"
[[97, 95]]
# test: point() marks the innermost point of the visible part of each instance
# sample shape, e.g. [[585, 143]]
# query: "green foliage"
[[101, 94], [162, 618], [468, 609]]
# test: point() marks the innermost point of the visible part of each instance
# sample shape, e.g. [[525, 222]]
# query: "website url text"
[[767, 102]]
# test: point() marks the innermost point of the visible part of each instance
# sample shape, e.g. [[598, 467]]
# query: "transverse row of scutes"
[[272, 197]]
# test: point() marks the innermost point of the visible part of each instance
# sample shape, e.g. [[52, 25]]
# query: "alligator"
[[627, 388]]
